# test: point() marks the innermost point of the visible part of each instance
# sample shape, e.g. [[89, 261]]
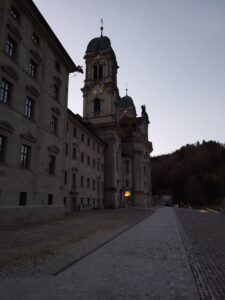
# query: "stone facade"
[[53, 161], [114, 120]]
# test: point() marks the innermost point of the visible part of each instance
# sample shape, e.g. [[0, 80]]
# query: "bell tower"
[[100, 92]]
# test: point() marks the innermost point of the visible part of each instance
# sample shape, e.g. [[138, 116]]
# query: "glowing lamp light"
[[127, 194]]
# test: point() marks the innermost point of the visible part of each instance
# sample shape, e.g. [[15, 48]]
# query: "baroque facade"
[[53, 161]]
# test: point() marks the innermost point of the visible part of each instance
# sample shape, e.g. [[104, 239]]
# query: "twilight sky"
[[171, 53]]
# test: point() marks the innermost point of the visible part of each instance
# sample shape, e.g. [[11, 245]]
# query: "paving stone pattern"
[[203, 234]]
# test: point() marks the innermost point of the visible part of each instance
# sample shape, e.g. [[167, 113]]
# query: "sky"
[[171, 54]]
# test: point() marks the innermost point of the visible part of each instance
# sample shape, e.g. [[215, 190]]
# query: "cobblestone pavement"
[[46, 248], [148, 261], [203, 234]]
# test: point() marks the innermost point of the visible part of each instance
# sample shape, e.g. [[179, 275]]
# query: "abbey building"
[[52, 160]]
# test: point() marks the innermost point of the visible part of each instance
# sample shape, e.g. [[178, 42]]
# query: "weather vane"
[[126, 89], [101, 27]]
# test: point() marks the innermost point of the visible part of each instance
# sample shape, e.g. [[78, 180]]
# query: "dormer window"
[[98, 72], [35, 38], [14, 13]]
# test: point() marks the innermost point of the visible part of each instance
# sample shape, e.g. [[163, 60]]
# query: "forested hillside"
[[193, 175]]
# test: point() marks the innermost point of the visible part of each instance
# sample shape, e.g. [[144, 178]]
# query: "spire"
[[101, 27], [126, 89]]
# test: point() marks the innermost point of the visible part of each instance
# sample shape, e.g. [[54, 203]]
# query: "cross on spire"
[[126, 89], [101, 27]]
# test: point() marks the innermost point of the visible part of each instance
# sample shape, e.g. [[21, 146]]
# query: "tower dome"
[[126, 101], [99, 44]]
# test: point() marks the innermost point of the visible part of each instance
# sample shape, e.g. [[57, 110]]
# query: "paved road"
[[148, 261]]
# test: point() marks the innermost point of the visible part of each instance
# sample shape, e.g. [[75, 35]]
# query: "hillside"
[[193, 175]]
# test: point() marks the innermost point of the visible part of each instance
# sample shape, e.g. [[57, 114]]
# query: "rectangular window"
[[74, 132], [144, 170], [32, 69], [5, 91], [65, 177], [82, 138], [50, 199], [53, 125], [64, 200], [51, 164], [98, 164], [102, 167], [93, 163], [67, 126], [35, 39], [98, 149], [66, 149], [88, 201], [29, 108], [88, 160], [127, 183], [57, 66], [93, 184], [94, 146], [10, 47], [88, 183], [14, 13], [23, 199], [74, 153], [82, 156], [55, 91], [81, 181], [74, 179], [88, 142], [3, 142], [25, 156]]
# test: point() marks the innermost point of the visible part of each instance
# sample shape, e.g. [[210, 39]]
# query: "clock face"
[[97, 89]]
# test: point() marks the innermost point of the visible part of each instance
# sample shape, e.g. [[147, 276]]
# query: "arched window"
[[98, 72], [97, 105]]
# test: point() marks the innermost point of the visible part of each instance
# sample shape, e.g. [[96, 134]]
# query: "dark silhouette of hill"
[[194, 175]]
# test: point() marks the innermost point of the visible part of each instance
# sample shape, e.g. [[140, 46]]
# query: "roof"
[[99, 44], [126, 101]]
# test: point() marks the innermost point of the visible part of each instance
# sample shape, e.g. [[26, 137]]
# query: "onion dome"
[[99, 44]]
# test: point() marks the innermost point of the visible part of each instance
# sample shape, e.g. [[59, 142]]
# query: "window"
[[88, 142], [74, 180], [98, 166], [57, 66], [23, 199], [10, 47], [5, 91], [64, 200], [29, 108], [81, 181], [88, 182], [98, 149], [35, 38], [127, 167], [98, 72], [102, 167], [51, 164], [55, 91], [88, 160], [88, 201], [93, 145], [66, 149], [53, 125], [14, 13], [94, 201], [93, 184], [93, 163], [25, 156], [3, 141], [67, 126], [32, 69], [65, 177], [50, 199], [74, 132], [74, 153], [144, 170], [127, 183], [82, 137], [82, 156], [97, 105]]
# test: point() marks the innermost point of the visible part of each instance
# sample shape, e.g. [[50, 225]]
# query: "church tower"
[[100, 90], [101, 111]]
